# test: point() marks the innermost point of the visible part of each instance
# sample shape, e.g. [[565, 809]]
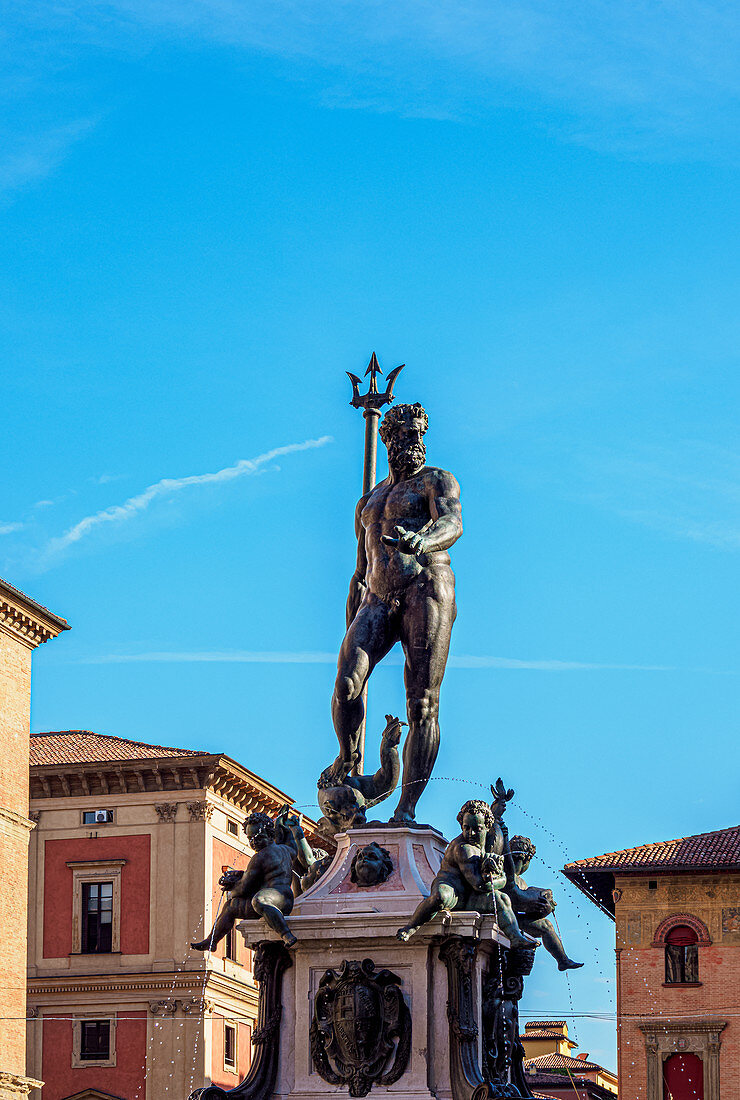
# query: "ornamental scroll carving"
[[359, 1013], [678, 920], [200, 811], [166, 811]]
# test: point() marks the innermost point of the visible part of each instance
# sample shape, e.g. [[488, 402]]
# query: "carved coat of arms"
[[361, 1028]]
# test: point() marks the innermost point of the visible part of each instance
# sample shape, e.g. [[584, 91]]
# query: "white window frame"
[[78, 1062], [95, 871]]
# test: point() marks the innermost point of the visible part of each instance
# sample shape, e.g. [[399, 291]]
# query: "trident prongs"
[[373, 399]]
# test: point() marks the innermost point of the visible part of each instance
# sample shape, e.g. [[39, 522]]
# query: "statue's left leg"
[[428, 614], [551, 942], [265, 902]]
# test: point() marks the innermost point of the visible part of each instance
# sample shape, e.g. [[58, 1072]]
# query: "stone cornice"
[[13, 1085], [25, 620], [217, 775], [12, 822], [685, 1024], [146, 984]]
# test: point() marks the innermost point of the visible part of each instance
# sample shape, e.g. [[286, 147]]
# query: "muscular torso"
[[274, 867], [409, 504]]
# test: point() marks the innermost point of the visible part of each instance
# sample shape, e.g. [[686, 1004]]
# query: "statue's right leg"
[[224, 923], [368, 639]]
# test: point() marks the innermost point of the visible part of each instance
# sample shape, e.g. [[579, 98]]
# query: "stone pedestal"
[[339, 921]]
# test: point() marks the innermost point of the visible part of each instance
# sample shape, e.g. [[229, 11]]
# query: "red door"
[[683, 1077]]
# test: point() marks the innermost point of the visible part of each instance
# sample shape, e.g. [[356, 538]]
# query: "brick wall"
[[714, 900], [15, 704]]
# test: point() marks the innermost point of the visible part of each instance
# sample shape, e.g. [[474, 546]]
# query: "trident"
[[371, 403]]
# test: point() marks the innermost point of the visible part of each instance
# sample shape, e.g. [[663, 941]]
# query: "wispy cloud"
[[168, 486], [687, 490], [9, 528], [32, 156], [627, 77], [312, 657]]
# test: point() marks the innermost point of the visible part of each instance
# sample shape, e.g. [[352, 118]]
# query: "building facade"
[[24, 625], [553, 1070], [130, 842], [676, 905]]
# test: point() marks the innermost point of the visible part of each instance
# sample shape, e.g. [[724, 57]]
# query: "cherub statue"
[[532, 905], [310, 863], [371, 866], [345, 804], [472, 874], [264, 888]]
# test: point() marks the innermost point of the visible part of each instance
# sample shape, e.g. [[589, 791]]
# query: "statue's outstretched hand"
[[408, 542], [500, 797], [392, 731]]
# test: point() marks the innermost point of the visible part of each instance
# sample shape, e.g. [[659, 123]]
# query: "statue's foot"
[[568, 964], [405, 934], [289, 939], [340, 769], [403, 817], [201, 945], [521, 939]]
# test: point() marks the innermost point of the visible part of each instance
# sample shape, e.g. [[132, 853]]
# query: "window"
[[232, 827], [96, 905], [230, 1047], [230, 945], [681, 956], [94, 1040], [97, 917], [97, 817], [652, 884]]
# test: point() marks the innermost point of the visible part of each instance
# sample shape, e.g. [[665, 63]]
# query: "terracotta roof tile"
[[85, 747], [559, 1061], [720, 848]]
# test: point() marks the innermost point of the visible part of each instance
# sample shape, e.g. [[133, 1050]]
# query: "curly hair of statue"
[[401, 414]]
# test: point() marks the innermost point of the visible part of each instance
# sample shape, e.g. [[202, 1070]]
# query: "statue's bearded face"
[[406, 450]]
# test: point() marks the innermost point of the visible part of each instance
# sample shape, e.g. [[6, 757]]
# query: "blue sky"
[[209, 212]]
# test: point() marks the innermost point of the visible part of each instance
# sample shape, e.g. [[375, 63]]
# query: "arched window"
[[683, 1077], [681, 956]]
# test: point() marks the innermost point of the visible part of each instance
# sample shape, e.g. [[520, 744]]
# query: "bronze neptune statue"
[[403, 589]]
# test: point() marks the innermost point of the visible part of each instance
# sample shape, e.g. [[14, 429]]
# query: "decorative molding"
[[195, 1006], [678, 919], [200, 811], [28, 629], [696, 1036], [166, 811], [13, 1085], [32, 1012], [154, 985], [34, 816], [163, 1008], [15, 824], [82, 1063], [271, 960]]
